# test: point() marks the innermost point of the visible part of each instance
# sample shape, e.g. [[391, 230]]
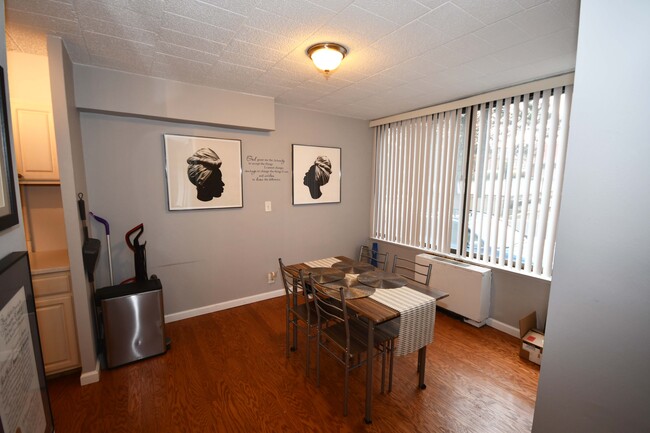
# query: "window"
[[481, 182]]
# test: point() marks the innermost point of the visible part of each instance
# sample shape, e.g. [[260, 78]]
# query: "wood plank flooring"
[[227, 372]]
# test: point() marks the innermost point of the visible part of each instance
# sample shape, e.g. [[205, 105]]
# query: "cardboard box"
[[532, 339]]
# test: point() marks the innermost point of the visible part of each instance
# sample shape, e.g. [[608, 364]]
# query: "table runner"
[[417, 316], [323, 263]]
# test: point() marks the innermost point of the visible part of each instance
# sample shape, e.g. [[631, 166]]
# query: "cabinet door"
[[35, 142], [56, 326]]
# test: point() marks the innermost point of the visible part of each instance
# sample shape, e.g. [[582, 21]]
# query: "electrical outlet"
[[270, 277]]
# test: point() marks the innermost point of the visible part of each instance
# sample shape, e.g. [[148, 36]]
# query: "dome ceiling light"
[[327, 56]]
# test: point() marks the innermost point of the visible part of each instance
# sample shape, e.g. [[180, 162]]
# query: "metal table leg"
[[370, 354], [422, 362]]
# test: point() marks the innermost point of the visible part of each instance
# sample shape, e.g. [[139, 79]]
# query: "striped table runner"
[[417, 316], [323, 263]]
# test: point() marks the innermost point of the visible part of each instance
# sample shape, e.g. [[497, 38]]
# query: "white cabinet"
[[35, 142], [56, 323]]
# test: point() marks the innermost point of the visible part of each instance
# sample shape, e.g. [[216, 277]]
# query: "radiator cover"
[[468, 286]]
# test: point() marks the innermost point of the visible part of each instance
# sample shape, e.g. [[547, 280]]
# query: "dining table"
[[374, 309]]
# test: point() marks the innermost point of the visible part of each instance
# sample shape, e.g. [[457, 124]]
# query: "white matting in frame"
[[316, 174], [203, 172]]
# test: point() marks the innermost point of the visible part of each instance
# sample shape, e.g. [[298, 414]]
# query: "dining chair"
[[300, 312], [417, 272], [380, 259], [343, 336]]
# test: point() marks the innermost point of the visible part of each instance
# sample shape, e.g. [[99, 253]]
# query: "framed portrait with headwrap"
[[203, 172], [316, 174]]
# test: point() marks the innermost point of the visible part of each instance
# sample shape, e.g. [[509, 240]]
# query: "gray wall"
[[513, 296], [208, 257], [13, 238], [595, 373]]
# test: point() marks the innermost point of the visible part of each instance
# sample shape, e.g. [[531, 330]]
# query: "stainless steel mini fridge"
[[132, 321]]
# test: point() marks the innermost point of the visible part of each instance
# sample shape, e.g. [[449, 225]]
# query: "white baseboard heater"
[[468, 287]]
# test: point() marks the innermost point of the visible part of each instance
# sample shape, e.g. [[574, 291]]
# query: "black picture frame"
[[26, 403], [8, 207], [316, 174]]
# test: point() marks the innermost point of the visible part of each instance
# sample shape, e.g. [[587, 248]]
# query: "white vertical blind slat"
[[415, 194], [463, 179], [410, 175], [392, 152], [558, 180], [385, 179], [415, 180], [547, 181], [444, 180], [432, 185], [488, 215], [375, 183], [421, 182], [482, 186], [455, 132], [496, 233], [436, 182], [473, 176], [540, 149], [528, 147], [516, 219], [426, 192], [398, 182], [509, 160], [403, 181]]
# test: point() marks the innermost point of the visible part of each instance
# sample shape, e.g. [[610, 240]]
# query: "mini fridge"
[[131, 321]]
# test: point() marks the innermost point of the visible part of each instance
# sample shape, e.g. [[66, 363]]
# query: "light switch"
[[267, 206]]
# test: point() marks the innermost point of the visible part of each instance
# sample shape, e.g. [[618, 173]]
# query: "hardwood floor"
[[226, 372]]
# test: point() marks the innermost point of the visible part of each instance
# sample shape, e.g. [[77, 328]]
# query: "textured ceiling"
[[403, 54]]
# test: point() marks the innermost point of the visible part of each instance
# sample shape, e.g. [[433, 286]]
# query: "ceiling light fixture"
[[327, 56]]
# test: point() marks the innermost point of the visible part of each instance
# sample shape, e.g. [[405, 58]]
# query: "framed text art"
[[24, 402], [8, 209], [203, 172], [316, 174]]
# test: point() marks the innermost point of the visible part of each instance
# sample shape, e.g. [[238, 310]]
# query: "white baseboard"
[[222, 306], [510, 330], [474, 323], [90, 376]]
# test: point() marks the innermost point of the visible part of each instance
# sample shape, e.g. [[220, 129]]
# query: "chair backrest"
[[330, 309], [368, 256], [292, 285], [412, 270]]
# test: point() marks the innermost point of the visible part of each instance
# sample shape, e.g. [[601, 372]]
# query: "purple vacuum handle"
[[103, 221]]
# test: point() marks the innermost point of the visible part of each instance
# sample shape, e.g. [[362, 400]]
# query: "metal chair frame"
[[300, 313], [411, 270], [346, 333], [366, 255]]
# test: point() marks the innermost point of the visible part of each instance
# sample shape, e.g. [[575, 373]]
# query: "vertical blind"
[[481, 182], [414, 179]]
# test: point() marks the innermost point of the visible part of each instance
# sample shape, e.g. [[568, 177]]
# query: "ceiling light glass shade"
[[327, 56]]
